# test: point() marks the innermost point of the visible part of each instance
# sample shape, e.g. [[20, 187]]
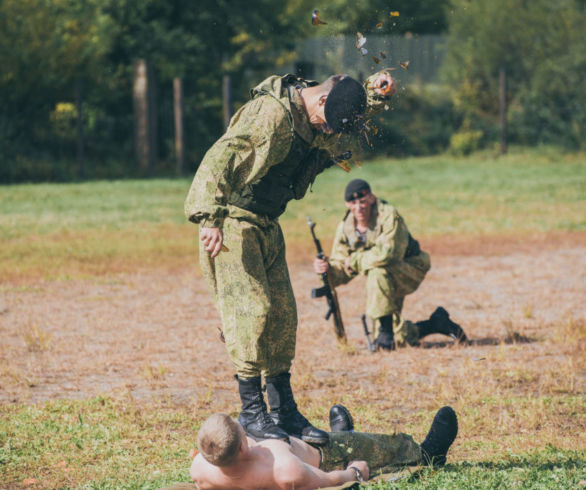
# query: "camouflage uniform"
[[269, 155], [391, 260], [382, 452]]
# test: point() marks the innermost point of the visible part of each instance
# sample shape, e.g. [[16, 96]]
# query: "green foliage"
[[346, 17], [465, 142], [48, 47], [44, 48], [420, 121], [541, 46]]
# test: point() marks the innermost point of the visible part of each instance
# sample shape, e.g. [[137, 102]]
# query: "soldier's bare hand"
[[212, 240], [385, 85], [320, 266], [363, 467]]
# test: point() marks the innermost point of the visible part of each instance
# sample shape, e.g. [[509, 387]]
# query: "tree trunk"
[[145, 124], [503, 109], [178, 113], [227, 97]]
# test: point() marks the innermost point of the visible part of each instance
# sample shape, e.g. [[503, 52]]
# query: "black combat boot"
[[439, 322], [285, 414], [340, 419], [254, 417], [386, 336], [440, 437]]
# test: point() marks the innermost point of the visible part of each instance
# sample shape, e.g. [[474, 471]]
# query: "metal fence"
[[321, 57]]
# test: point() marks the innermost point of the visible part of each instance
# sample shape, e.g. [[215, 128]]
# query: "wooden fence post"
[[145, 115], [178, 115], [227, 98]]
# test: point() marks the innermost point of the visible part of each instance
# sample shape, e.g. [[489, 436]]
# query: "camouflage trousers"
[[251, 288], [386, 289], [382, 452]]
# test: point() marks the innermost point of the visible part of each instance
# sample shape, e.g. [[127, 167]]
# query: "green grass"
[[97, 443], [528, 190], [524, 191], [72, 230], [58, 231], [106, 443], [550, 468]]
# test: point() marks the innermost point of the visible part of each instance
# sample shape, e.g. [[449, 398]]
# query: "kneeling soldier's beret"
[[356, 189]]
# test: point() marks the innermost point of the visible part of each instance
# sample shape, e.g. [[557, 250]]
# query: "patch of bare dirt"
[[154, 334]]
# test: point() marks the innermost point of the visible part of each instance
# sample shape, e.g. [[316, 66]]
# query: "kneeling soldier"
[[373, 240]]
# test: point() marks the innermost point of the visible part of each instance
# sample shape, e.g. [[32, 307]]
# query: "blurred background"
[[105, 89]]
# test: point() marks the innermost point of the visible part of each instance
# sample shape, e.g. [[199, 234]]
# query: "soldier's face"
[[361, 208], [318, 117]]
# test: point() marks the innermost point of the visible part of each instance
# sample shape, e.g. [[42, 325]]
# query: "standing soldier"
[[272, 151], [373, 240]]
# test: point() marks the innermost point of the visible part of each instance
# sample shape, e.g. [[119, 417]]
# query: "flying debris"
[[360, 41], [344, 165], [379, 25], [376, 60], [383, 55], [315, 20], [404, 64]]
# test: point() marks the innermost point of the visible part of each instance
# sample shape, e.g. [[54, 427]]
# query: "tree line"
[[69, 71]]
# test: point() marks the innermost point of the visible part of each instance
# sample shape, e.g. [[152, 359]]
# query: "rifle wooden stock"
[[328, 291]]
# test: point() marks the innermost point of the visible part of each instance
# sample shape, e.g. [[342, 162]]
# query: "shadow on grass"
[[514, 338], [548, 460]]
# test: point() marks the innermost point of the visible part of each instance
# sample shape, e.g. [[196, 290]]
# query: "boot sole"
[[318, 441]]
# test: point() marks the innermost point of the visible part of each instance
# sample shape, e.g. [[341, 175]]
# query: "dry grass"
[[110, 356], [147, 339], [36, 339]]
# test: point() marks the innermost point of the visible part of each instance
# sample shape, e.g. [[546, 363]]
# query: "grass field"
[[521, 406], [69, 230]]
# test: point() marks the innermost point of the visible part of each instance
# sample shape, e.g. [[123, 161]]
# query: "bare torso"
[[265, 465]]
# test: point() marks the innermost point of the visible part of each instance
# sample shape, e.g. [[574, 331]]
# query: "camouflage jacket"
[[388, 241], [259, 136]]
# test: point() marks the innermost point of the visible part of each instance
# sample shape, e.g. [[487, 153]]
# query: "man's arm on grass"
[[296, 474]]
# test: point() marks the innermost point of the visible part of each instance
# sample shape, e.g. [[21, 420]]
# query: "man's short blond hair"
[[219, 439]]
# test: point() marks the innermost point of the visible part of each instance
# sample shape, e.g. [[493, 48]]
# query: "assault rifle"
[[328, 291]]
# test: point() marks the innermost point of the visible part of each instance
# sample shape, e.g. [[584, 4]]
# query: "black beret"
[[356, 189], [345, 101]]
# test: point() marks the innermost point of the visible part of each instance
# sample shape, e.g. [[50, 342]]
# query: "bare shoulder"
[[204, 474], [289, 470]]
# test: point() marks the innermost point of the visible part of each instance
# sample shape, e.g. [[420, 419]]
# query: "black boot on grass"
[[341, 419], [386, 336], [254, 417], [285, 414], [439, 322], [440, 437]]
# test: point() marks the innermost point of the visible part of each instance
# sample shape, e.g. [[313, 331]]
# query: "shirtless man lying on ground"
[[229, 459]]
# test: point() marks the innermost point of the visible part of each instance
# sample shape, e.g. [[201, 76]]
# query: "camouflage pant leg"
[[386, 289], [404, 331], [252, 290], [380, 451]]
